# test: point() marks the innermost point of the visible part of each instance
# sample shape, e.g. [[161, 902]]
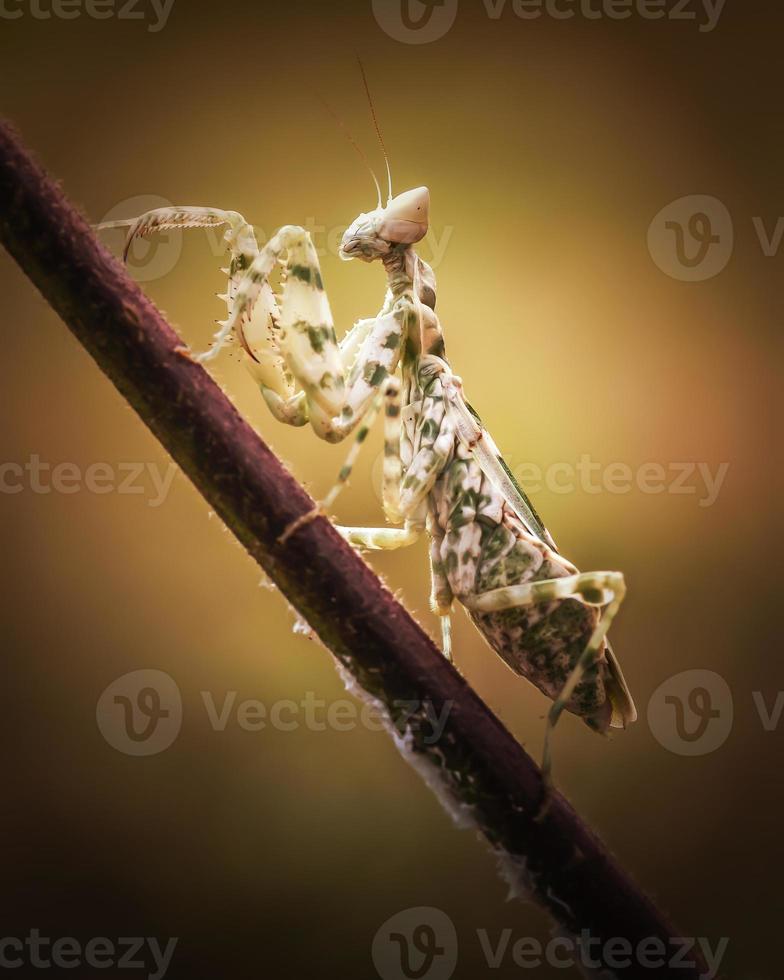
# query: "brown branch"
[[477, 763]]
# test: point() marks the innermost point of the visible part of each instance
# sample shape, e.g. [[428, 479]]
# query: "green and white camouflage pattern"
[[442, 472], [480, 545]]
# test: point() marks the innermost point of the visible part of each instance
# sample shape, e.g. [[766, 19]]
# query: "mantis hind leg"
[[603, 582], [602, 589]]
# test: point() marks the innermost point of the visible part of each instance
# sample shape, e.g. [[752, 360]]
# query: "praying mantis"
[[442, 473]]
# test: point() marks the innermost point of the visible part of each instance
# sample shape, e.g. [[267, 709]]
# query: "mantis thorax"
[[409, 275]]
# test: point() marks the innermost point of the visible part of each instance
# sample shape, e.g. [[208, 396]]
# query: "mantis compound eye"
[[405, 219]]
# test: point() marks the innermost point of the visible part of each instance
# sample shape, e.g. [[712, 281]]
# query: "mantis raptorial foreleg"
[[240, 237], [294, 338], [257, 336], [603, 589], [336, 399]]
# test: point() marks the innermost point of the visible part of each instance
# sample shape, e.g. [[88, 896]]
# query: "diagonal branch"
[[476, 766]]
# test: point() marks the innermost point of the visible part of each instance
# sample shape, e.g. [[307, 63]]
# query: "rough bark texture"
[[475, 763]]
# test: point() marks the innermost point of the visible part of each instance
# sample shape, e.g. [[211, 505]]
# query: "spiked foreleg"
[[240, 237], [255, 335], [291, 344], [306, 338]]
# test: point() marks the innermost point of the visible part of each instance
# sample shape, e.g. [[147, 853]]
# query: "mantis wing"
[[478, 441], [624, 711]]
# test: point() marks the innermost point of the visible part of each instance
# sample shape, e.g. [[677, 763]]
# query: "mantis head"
[[403, 221]]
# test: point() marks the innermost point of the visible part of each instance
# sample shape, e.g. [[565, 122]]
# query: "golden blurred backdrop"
[[549, 146]]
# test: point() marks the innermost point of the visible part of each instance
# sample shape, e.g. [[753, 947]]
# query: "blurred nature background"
[[549, 146]]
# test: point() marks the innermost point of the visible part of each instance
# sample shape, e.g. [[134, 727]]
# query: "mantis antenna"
[[356, 146], [375, 123]]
